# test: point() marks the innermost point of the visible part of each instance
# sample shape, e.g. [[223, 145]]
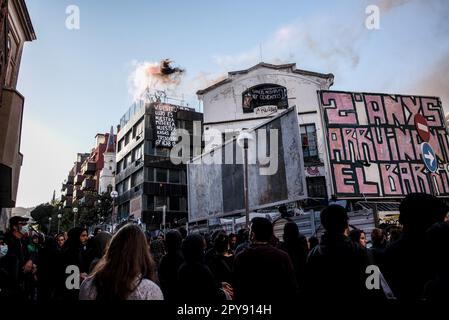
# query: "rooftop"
[[289, 66]]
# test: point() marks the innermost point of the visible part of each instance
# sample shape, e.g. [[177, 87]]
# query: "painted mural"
[[383, 145]]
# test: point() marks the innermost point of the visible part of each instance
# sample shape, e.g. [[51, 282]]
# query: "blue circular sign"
[[428, 156]]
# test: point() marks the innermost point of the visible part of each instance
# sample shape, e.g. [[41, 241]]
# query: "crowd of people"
[[252, 265]]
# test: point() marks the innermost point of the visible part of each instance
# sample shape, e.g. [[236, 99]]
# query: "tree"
[[41, 215]]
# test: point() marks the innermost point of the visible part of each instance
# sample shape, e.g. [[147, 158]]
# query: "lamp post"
[[164, 209], [49, 225], [114, 195], [59, 221], [75, 211], [243, 141]]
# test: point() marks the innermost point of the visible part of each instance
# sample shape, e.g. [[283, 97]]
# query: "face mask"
[[25, 229], [3, 250]]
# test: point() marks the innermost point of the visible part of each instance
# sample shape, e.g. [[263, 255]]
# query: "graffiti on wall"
[[264, 98], [383, 145]]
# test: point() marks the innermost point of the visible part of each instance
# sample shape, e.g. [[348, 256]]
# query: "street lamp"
[[49, 225], [164, 209], [59, 221], [75, 211], [243, 142], [114, 195]]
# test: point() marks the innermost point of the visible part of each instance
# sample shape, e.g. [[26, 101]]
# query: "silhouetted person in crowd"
[[16, 262], [313, 242], [99, 244], [232, 243], [219, 260], [126, 271], [406, 266], [358, 236], [336, 267], [157, 249], [263, 272], [170, 263], [183, 232], [394, 234], [97, 231], [242, 241], [295, 244], [75, 253], [196, 284], [377, 250], [47, 271], [437, 240]]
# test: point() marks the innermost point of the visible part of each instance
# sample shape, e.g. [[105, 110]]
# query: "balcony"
[[89, 168], [88, 200], [78, 194], [68, 202], [70, 180], [68, 190], [88, 184], [78, 179]]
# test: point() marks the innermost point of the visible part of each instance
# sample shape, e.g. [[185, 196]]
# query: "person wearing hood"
[[76, 253]]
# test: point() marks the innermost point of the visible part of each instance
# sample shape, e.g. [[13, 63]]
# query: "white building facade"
[[249, 97]]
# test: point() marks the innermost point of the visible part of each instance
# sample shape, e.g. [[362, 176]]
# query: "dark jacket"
[[12, 264], [220, 266], [336, 269], [198, 285], [168, 273], [406, 267], [263, 273], [297, 251]]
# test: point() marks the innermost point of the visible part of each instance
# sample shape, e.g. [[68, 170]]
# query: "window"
[[149, 174], [127, 184], [127, 138], [174, 176], [13, 49], [159, 202], [149, 150], [123, 210], [137, 178], [183, 177], [161, 175], [120, 188], [138, 130], [316, 187], [309, 142], [175, 204], [150, 202], [119, 164], [138, 152], [128, 159], [163, 152], [120, 145]]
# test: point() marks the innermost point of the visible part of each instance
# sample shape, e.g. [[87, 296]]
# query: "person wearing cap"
[[18, 262]]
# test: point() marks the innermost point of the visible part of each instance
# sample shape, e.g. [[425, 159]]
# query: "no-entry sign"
[[422, 128]]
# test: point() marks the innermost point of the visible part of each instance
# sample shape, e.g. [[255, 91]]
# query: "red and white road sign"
[[422, 127]]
